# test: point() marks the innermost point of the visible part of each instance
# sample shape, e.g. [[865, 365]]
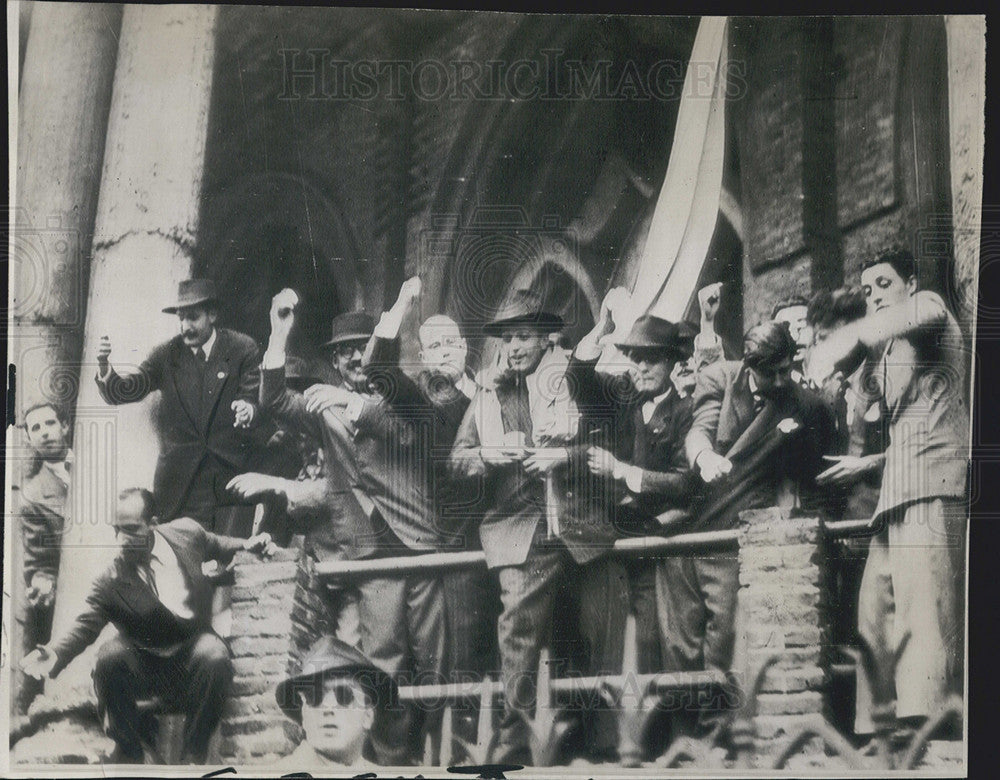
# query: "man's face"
[[196, 324], [772, 381], [336, 718], [523, 347], [884, 287], [347, 357], [442, 348], [822, 332], [683, 377], [133, 532], [650, 370], [800, 329], [46, 434]]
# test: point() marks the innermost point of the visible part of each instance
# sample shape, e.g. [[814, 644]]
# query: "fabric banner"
[[684, 219]]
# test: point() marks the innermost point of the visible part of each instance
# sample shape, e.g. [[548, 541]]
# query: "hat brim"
[[187, 304], [672, 349], [348, 337], [375, 681], [545, 322]]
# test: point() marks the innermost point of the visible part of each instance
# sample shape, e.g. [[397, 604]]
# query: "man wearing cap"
[[637, 428], [519, 441], [207, 378], [376, 461], [336, 696], [756, 440]]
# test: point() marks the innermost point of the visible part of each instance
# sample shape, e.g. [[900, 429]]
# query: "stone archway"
[[266, 232]]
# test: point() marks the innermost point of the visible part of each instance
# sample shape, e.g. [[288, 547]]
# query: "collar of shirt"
[[61, 469], [207, 346], [650, 406], [758, 399]]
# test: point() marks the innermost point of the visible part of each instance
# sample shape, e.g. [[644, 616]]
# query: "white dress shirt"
[[170, 586], [207, 346]]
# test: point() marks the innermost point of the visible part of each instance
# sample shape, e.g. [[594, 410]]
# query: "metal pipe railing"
[[637, 546], [654, 682]]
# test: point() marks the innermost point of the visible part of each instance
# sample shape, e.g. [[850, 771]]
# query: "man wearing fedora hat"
[[542, 535], [636, 427], [336, 695], [207, 378], [376, 461]]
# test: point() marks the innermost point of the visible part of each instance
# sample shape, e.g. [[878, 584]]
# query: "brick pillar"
[[277, 616], [780, 612]]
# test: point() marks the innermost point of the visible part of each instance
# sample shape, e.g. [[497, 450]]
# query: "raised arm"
[[844, 349], [117, 388], [381, 358], [288, 407]]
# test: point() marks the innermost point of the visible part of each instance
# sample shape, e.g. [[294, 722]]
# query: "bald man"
[[441, 380]]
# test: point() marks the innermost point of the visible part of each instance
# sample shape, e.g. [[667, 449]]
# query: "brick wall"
[[277, 615], [781, 604]]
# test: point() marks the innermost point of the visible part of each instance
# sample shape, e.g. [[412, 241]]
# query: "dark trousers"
[[195, 678], [403, 633], [696, 605], [34, 624], [530, 594], [208, 502]]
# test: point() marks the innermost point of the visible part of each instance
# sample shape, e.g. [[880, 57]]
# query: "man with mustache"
[[207, 378], [377, 465], [756, 441], [42, 514], [157, 597]]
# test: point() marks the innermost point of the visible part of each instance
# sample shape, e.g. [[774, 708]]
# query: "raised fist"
[[708, 301], [104, 350], [283, 310]]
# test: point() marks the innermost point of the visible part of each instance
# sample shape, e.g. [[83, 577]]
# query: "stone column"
[[966, 37], [145, 229], [780, 603], [67, 67], [144, 232], [65, 93]]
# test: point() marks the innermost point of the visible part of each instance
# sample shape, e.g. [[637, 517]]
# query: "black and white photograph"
[[401, 392]]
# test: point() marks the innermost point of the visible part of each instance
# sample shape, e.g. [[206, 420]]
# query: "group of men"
[[543, 459]]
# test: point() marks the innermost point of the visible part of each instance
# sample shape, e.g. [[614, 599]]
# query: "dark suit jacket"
[[43, 515], [194, 418], [120, 597], [436, 407], [612, 418], [370, 483], [762, 454]]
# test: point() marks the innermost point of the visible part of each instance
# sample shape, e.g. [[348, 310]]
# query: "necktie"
[[200, 355], [147, 576]]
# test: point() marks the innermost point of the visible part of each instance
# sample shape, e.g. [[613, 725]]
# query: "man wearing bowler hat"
[[542, 529], [336, 696], [207, 378], [376, 463]]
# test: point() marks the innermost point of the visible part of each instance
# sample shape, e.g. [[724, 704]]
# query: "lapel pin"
[[788, 425], [221, 375]]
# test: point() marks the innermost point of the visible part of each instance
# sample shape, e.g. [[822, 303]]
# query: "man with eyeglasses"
[[157, 597], [436, 395], [336, 695], [376, 457]]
